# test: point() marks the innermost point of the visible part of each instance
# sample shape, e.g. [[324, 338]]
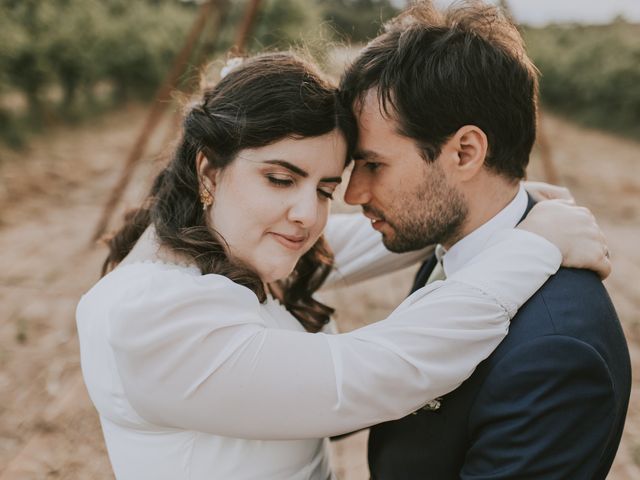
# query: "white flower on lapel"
[[431, 406]]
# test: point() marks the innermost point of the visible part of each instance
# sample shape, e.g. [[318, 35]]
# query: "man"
[[446, 106]]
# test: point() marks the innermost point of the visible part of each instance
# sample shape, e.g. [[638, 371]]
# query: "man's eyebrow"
[[367, 155], [298, 171]]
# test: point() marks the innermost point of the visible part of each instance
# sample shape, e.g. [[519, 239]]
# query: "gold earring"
[[205, 198]]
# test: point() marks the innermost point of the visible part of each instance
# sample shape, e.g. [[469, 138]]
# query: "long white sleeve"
[[193, 352], [360, 253]]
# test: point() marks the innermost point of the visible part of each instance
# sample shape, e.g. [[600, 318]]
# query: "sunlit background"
[[88, 86]]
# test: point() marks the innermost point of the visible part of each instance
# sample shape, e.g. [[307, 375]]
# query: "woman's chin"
[[275, 274]]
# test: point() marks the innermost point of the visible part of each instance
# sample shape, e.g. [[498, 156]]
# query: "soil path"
[[50, 199]]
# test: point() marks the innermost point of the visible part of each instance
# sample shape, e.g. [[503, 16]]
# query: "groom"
[[446, 106]]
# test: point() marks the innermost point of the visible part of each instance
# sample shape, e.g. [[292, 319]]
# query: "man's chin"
[[397, 244], [393, 246]]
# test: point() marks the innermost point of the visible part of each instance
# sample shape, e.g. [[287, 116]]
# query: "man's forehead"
[[372, 102], [379, 139], [370, 114]]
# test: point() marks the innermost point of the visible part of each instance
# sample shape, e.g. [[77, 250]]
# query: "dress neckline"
[[162, 263]]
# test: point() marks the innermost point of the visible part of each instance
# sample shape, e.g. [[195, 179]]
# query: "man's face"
[[408, 199]]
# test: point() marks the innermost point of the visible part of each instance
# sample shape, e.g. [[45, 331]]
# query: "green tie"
[[437, 273]]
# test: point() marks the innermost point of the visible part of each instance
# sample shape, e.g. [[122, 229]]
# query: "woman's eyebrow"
[[331, 180], [289, 166]]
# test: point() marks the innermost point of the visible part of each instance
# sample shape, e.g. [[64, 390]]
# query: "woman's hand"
[[546, 191], [574, 231]]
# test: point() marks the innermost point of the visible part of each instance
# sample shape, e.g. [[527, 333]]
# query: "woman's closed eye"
[[326, 193], [283, 181], [280, 180]]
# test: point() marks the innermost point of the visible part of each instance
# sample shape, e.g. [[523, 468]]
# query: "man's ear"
[[470, 145], [206, 174]]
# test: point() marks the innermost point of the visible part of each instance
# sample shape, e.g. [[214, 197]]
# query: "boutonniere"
[[430, 406]]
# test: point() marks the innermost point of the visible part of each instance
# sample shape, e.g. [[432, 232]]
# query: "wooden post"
[[174, 127], [153, 118], [246, 26], [546, 155]]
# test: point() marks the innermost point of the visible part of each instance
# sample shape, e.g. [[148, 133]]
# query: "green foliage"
[[74, 45], [279, 24], [591, 73], [24, 51], [70, 58], [72, 48], [357, 20], [310, 24], [139, 44]]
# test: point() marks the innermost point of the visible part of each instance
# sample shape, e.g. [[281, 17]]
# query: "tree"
[[357, 20]]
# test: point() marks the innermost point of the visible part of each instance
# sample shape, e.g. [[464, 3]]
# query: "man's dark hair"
[[436, 72]]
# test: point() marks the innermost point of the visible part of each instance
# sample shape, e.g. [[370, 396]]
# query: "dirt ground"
[[50, 198]]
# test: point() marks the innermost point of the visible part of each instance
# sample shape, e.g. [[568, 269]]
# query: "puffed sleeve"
[[194, 353], [360, 253]]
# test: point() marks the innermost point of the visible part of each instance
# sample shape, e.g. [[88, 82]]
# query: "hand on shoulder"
[[574, 230]]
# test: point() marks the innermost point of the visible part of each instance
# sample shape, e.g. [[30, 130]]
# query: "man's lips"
[[377, 220], [378, 224], [293, 242]]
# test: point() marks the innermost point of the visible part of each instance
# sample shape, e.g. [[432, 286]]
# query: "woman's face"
[[271, 203]]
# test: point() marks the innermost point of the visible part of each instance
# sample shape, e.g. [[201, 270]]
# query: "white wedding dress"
[[194, 379]]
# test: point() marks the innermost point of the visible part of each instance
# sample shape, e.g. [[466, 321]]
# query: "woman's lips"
[[292, 242]]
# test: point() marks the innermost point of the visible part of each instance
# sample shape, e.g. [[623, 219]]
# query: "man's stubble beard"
[[434, 213]]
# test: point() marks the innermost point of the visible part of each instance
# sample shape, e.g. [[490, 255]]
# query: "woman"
[[197, 349]]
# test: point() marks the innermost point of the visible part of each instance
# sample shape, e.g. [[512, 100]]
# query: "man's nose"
[[357, 192]]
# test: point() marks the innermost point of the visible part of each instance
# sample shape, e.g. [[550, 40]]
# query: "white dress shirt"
[[193, 378]]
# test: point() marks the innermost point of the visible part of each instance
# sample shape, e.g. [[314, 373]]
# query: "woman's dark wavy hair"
[[267, 98]]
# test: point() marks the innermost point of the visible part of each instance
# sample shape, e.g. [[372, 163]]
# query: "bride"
[[203, 348]]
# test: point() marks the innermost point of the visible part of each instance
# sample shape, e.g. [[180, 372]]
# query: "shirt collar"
[[469, 246]]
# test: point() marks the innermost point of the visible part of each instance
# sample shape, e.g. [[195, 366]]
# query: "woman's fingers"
[[574, 230], [546, 191]]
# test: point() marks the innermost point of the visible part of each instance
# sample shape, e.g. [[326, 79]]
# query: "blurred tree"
[[25, 64], [81, 42], [72, 47], [278, 24], [357, 20], [12, 40], [75, 46], [138, 42], [591, 73], [281, 23]]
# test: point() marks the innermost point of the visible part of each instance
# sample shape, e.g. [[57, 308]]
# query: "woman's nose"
[[304, 209]]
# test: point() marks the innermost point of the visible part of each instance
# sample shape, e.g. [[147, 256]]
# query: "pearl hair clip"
[[232, 63]]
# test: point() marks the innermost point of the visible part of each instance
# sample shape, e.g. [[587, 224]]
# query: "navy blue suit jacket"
[[549, 403]]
